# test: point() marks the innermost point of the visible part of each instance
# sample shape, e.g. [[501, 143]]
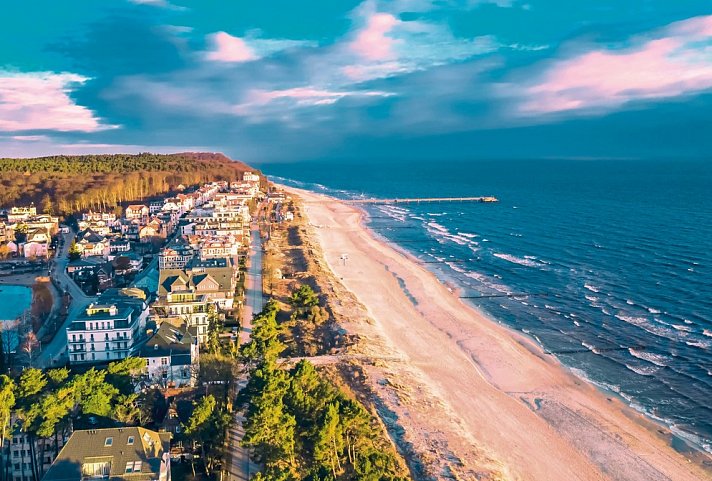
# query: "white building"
[[107, 330]]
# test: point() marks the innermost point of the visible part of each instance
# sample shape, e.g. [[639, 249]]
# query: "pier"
[[421, 199]]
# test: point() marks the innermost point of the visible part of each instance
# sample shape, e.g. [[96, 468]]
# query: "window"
[[130, 440], [96, 470], [109, 441], [164, 361], [133, 467]]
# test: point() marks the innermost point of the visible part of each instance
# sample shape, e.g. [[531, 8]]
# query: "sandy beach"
[[472, 398]]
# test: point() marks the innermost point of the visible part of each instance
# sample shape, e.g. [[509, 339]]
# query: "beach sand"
[[471, 398]]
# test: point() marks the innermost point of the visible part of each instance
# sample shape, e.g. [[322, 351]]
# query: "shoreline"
[[540, 392], [680, 438]]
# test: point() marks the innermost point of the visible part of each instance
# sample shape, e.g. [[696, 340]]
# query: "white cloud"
[[41, 101]]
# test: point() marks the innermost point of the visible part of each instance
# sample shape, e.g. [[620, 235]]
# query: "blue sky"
[[288, 81]]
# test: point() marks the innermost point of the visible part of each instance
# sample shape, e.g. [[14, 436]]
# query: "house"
[[250, 177], [108, 329], [137, 211], [171, 355], [91, 243], [127, 263], [175, 256], [128, 453], [21, 213], [35, 249], [149, 232], [155, 206], [119, 246]]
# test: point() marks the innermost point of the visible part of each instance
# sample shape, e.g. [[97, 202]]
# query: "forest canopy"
[[70, 183]]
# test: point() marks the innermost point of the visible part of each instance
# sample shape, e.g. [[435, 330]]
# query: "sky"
[[286, 81]]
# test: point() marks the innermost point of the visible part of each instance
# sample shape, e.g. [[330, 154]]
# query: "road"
[[52, 353], [254, 298], [239, 466]]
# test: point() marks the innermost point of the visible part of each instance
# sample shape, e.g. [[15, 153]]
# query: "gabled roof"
[[170, 340], [140, 447]]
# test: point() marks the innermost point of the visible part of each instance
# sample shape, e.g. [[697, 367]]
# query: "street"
[[239, 466], [52, 352]]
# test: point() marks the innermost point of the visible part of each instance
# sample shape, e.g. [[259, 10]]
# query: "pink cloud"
[[40, 101], [226, 48], [672, 65], [373, 42]]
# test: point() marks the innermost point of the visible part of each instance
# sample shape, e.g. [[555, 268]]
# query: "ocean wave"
[[652, 311], [468, 235], [644, 370], [680, 327], [590, 347], [591, 298], [517, 260], [629, 302], [700, 344], [707, 332], [645, 324], [592, 288], [657, 359]]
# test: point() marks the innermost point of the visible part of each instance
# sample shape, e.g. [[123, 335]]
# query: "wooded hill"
[[69, 183]]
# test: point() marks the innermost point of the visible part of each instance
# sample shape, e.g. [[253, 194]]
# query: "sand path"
[[489, 397]]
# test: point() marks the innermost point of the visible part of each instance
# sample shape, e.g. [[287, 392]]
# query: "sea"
[[607, 264]]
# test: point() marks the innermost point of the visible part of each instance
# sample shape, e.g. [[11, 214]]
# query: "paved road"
[[53, 352], [254, 298], [239, 466]]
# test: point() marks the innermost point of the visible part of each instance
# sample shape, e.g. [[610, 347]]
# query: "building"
[[129, 453], [20, 214], [250, 177], [176, 256], [171, 355], [108, 329], [19, 463], [137, 212]]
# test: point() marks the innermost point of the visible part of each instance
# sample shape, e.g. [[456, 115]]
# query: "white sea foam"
[[707, 332], [653, 311], [657, 359], [629, 302], [577, 324], [644, 370], [591, 298], [470, 236], [591, 287], [517, 260], [700, 344], [681, 327]]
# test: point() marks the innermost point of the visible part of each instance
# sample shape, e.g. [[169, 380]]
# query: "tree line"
[[302, 427], [66, 184], [44, 405]]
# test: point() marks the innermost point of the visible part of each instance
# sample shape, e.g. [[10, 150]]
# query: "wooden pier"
[[417, 200]]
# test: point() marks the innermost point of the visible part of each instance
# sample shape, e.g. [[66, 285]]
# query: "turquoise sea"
[[617, 255]]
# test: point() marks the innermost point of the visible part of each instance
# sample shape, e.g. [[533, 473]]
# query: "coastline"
[[504, 406]]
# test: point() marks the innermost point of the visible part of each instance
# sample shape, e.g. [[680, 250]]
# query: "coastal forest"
[[300, 426], [63, 184]]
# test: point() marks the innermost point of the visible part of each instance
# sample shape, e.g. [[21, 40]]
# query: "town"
[[139, 292]]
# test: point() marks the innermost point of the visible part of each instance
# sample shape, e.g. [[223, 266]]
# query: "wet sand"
[[475, 398]]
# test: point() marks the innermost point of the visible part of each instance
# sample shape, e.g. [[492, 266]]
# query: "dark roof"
[[192, 276], [92, 446], [172, 341]]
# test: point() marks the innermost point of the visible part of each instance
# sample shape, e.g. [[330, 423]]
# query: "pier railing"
[[422, 199]]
